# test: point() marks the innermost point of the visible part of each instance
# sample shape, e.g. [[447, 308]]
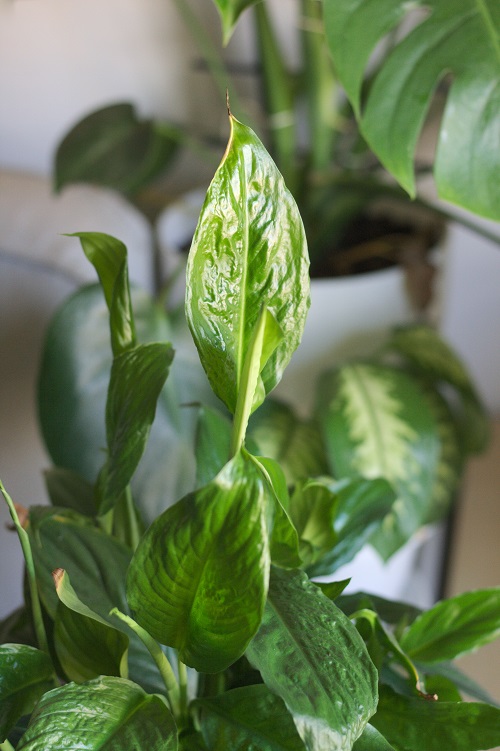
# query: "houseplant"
[[311, 131], [256, 655]]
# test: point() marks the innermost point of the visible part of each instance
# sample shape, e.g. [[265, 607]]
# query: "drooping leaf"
[[310, 654], [97, 565], [185, 580], [412, 724], [249, 717], [399, 97], [230, 11], [106, 714], [86, 645], [25, 674], [68, 489], [426, 351], [248, 252], [115, 148], [463, 682], [377, 423], [454, 627], [137, 378], [295, 443]]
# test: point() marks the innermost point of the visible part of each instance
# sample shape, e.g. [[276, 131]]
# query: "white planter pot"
[[348, 316]]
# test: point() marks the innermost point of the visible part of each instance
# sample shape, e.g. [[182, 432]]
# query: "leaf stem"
[[6, 746], [156, 652], [30, 569], [183, 690]]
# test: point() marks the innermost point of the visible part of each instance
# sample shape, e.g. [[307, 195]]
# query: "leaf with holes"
[[391, 118]]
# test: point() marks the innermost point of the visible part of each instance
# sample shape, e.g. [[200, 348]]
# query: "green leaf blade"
[[413, 724], [377, 425], [454, 627], [310, 654], [114, 148], [398, 100], [25, 674], [248, 252], [249, 717], [137, 378], [107, 714], [184, 583]]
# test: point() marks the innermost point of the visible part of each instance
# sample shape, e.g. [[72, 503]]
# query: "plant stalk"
[[30, 570], [278, 97], [156, 652], [320, 86]]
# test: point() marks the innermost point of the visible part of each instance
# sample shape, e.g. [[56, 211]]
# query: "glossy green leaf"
[[335, 519], [184, 582], [412, 724], [248, 252], [109, 258], [67, 489], [106, 714], [25, 674], [284, 537], [371, 740], [377, 423], [399, 96], [73, 387], [86, 645], [213, 443], [230, 11], [97, 565], [454, 627], [114, 148], [463, 682], [293, 442], [310, 654], [312, 508], [137, 378], [424, 349], [248, 718]]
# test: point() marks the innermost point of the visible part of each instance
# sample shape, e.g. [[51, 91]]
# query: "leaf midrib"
[[244, 279]]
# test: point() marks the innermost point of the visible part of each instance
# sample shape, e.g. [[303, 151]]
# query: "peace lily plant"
[[205, 632], [379, 64]]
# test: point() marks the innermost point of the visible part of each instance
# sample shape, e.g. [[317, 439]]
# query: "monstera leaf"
[[460, 40]]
